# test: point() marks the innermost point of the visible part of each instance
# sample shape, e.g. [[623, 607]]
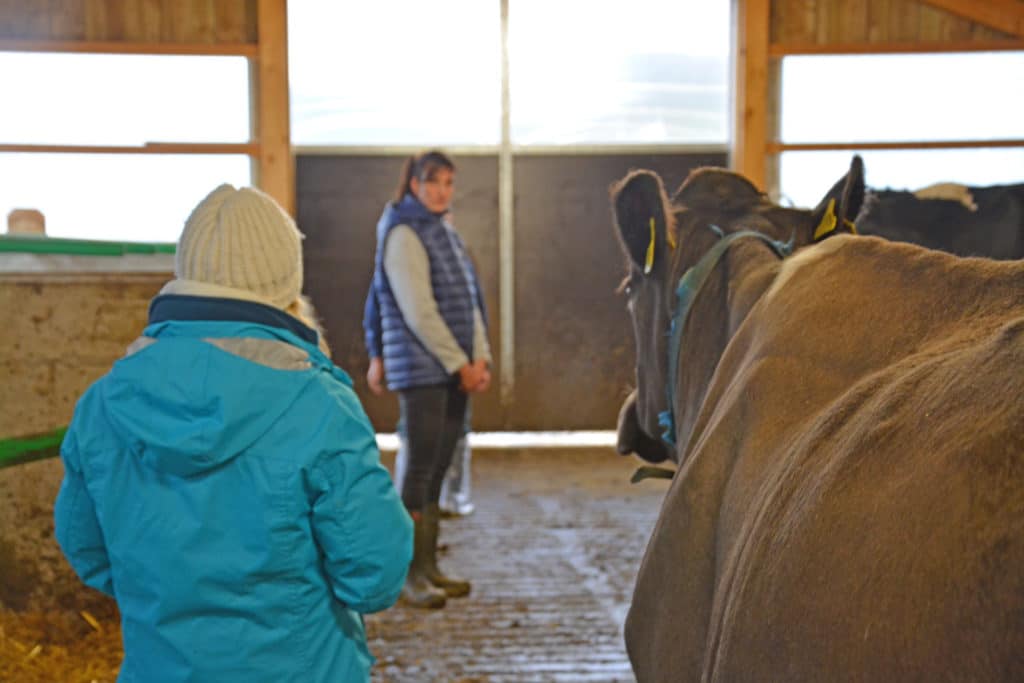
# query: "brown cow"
[[849, 430]]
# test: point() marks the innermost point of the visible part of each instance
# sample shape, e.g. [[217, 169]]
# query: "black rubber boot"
[[453, 587], [418, 590]]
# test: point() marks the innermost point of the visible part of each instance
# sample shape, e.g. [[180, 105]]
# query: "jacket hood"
[[191, 396]]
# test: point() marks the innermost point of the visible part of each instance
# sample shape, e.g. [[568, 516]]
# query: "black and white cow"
[[962, 220]]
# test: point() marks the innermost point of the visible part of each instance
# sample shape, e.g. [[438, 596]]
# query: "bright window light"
[[122, 197], [906, 98], [119, 100], [93, 99], [805, 177], [935, 97], [395, 72], [593, 73]]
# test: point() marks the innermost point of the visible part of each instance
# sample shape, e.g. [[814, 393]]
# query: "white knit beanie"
[[241, 240]]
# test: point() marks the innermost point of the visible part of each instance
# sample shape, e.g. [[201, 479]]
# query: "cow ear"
[[643, 220], [838, 210]]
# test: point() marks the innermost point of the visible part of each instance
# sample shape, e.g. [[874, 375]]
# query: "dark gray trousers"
[[433, 419]]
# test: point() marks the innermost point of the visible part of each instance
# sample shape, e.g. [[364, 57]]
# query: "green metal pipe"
[[23, 449], [58, 245]]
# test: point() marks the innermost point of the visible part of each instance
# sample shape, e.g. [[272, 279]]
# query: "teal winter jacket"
[[223, 483]]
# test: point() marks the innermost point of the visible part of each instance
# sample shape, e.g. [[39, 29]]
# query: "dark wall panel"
[[574, 352], [339, 199], [574, 347]]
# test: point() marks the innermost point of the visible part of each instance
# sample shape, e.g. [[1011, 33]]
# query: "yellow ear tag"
[[649, 260], [847, 223], [671, 236], [828, 221]]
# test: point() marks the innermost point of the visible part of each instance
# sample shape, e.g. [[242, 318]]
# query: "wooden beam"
[[787, 49], [1002, 15], [118, 47], [247, 148], [275, 173], [777, 147], [750, 134]]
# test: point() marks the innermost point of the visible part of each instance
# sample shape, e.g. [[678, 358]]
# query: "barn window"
[[81, 134], [586, 72], [395, 73], [807, 176], [579, 73], [948, 117], [129, 198]]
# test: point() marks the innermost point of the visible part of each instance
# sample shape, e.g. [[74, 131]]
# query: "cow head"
[[661, 239], [645, 226]]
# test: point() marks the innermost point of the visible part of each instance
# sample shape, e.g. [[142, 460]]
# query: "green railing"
[[20, 244], [23, 449]]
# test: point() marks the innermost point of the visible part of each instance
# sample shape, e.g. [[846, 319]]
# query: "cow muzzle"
[[631, 438]]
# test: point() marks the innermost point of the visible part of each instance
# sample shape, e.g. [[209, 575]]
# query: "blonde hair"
[[302, 308]]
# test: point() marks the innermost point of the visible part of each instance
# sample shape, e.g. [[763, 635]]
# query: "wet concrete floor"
[[552, 550]]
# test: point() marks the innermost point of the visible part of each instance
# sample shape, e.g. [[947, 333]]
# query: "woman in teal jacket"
[[222, 481]]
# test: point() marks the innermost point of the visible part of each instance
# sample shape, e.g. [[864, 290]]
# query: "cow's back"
[[888, 544], [853, 506]]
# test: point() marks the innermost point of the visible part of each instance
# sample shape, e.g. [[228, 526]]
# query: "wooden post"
[[752, 23], [275, 170]]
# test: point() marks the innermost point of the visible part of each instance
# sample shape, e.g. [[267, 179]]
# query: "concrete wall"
[[59, 334]]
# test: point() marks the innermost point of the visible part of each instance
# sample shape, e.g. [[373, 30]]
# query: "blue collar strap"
[[690, 285]]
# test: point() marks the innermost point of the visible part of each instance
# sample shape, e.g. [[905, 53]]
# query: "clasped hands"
[[475, 377]]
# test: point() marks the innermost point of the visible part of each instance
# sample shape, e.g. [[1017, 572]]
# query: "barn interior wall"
[[575, 352], [59, 335], [142, 21], [339, 199], [574, 349], [838, 27]]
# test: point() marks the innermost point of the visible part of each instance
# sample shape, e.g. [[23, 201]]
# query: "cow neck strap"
[[689, 287]]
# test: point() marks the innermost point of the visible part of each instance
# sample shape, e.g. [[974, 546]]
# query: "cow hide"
[[849, 503]]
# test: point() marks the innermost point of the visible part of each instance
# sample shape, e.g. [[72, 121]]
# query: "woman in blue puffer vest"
[[435, 350], [222, 481]]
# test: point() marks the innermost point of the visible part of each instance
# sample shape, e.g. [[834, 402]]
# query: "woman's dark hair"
[[421, 166]]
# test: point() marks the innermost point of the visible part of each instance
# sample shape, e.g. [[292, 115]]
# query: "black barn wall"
[[574, 349]]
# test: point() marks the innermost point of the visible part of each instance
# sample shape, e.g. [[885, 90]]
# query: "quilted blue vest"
[[407, 362]]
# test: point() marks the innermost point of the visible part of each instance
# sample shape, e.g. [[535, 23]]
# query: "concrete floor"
[[552, 550]]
